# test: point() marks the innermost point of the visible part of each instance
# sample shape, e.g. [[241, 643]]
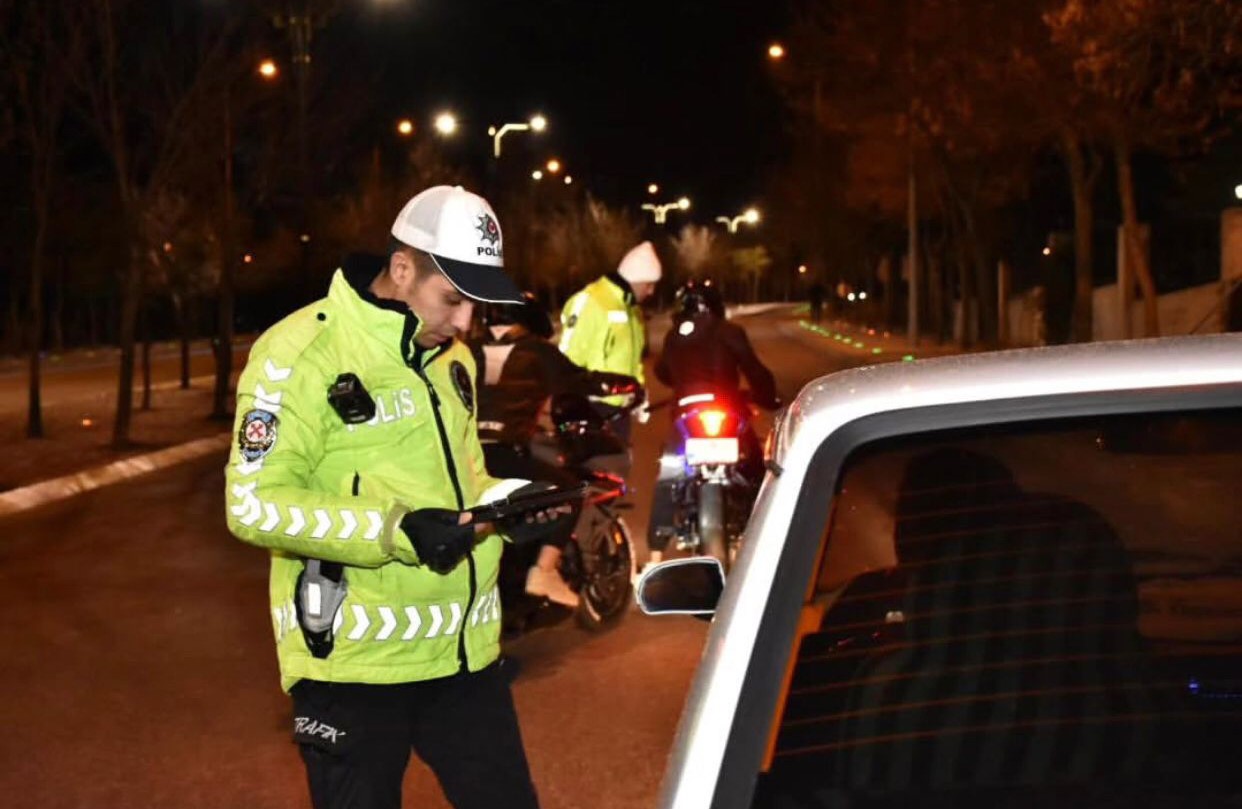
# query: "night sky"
[[673, 92]]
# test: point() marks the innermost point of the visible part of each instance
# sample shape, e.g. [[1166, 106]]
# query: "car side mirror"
[[682, 587]]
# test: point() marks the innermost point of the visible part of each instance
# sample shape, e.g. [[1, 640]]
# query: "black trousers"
[[356, 739]]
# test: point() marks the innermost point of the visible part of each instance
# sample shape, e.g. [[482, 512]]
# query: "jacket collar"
[[391, 322], [623, 287]]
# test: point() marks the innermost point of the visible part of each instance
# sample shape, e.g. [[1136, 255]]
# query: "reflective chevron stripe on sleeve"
[[412, 623], [292, 521]]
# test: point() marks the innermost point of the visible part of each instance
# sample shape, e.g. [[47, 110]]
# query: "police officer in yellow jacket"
[[602, 324], [356, 460]]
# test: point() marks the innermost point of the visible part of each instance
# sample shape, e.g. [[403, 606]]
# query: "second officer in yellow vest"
[[603, 328]]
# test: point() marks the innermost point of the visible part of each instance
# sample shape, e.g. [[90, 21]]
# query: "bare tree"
[[36, 62], [698, 250], [1162, 76], [751, 263], [142, 96]]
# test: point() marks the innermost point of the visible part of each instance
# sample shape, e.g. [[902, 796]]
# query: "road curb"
[[38, 494]]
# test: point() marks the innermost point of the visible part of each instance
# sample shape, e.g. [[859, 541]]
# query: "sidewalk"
[[76, 455]]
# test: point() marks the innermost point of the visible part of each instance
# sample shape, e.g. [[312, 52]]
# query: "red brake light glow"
[[712, 421]]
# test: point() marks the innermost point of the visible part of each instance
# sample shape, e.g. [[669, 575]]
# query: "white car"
[[1008, 579]]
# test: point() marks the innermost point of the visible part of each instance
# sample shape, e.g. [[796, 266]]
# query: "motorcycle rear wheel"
[[608, 569], [712, 523]]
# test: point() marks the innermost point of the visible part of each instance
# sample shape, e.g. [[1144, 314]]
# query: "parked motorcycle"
[[598, 563]]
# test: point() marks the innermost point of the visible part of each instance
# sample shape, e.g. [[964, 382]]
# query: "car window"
[[1027, 615]]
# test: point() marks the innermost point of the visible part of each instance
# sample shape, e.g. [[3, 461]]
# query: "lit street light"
[[268, 69], [660, 212], [653, 189], [801, 269], [1237, 191], [405, 127], [776, 51], [568, 180], [750, 216], [446, 123], [536, 174], [554, 166], [536, 124]]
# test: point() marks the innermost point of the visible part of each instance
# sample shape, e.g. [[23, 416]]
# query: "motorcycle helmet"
[[529, 314], [699, 297]]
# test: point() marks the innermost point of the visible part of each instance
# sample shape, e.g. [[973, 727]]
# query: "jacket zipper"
[[461, 505]]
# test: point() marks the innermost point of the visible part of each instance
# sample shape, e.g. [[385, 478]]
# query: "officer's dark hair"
[[424, 265]]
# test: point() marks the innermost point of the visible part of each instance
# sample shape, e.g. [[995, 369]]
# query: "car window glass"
[[1033, 614]]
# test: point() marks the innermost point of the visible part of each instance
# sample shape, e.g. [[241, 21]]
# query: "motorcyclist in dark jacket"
[[704, 353], [520, 371]]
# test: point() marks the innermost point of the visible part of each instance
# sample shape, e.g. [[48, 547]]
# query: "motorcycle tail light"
[[712, 422]]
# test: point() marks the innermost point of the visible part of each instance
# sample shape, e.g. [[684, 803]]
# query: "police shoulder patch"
[[257, 434], [463, 383]]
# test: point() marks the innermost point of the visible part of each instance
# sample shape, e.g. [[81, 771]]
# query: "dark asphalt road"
[[139, 669]]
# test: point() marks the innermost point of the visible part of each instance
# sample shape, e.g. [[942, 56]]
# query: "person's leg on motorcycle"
[[544, 577]]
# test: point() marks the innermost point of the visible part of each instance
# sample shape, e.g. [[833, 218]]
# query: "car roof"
[[1166, 362]]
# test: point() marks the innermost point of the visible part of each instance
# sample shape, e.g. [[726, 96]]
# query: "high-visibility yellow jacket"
[[603, 328], [304, 484]]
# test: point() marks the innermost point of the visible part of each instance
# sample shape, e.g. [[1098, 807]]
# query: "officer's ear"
[[401, 268]]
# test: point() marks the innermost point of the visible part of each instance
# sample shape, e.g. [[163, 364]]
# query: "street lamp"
[[569, 180], [268, 69], [536, 124], [536, 174], [776, 51], [1237, 191], [653, 189], [660, 212], [750, 216], [446, 123], [405, 127], [554, 166]]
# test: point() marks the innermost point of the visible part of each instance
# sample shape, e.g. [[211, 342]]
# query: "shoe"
[[550, 585]]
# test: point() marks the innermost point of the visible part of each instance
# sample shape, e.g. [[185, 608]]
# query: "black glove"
[[438, 538], [534, 526]]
